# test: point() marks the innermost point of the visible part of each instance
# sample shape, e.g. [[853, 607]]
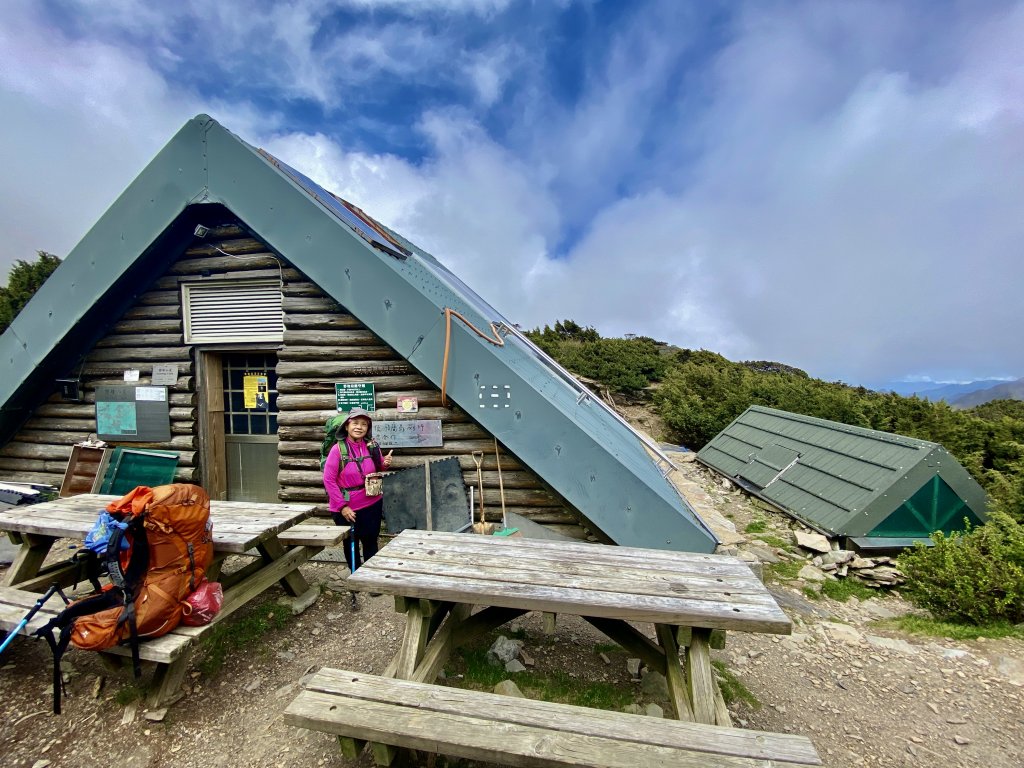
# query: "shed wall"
[[323, 344]]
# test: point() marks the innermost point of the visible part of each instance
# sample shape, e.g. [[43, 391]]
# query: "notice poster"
[[355, 394], [255, 390], [408, 404]]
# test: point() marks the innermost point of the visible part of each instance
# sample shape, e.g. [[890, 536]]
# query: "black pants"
[[366, 529]]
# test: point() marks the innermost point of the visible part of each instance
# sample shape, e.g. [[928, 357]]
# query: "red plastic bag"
[[202, 605]]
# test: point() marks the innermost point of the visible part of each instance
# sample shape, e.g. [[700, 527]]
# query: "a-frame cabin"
[[220, 259]]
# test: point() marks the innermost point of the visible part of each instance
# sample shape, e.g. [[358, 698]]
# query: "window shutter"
[[232, 311]]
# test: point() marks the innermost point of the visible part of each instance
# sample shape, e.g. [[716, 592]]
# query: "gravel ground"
[[864, 695]]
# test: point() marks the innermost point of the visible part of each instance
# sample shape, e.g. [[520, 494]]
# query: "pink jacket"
[[350, 477]]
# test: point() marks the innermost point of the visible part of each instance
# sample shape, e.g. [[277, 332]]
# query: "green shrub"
[[975, 577]]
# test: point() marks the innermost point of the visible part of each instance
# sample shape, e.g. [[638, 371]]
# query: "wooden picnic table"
[[436, 576], [270, 530]]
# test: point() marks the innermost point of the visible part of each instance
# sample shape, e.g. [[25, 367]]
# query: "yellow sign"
[[408, 404], [255, 390]]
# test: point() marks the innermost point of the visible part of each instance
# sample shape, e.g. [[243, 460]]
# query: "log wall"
[[323, 344]]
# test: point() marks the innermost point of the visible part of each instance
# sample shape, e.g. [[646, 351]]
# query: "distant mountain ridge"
[[1007, 390], [933, 391]]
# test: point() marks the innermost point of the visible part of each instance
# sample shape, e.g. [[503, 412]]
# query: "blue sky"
[[834, 185]]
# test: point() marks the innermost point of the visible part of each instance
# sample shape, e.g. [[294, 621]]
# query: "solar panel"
[[354, 217]]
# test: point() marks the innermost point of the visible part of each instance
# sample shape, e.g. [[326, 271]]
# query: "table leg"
[[29, 560], [677, 692], [294, 583], [417, 625], [700, 678]]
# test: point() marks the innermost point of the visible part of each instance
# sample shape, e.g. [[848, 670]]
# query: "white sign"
[[165, 374], [131, 375], [408, 433], [153, 394]]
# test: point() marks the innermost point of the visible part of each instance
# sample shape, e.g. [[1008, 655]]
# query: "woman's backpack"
[[170, 546]]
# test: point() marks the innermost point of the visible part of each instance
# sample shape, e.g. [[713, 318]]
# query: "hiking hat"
[[354, 414]]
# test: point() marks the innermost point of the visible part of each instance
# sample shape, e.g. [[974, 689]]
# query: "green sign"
[[355, 394]]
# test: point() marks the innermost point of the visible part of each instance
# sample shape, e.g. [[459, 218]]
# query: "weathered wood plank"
[[700, 679], [485, 726]]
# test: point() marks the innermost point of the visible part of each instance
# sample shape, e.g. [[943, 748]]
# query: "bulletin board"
[[132, 414]]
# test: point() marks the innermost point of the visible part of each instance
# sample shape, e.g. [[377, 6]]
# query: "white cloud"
[[838, 189]]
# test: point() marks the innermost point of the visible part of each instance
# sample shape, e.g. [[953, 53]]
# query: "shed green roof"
[[845, 480]]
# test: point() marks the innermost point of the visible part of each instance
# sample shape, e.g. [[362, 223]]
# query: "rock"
[[128, 717], [41, 764], [726, 537], [633, 709], [844, 633], [685, 458], [526, 658], [156, 715], [763, 554], [253, 685], [814, 542], [861, 562], [876, 610], [1012, 669], [285, 655], [514, 666], [604, 657], [892, 644], [503, 650], [97, 686], [810, 573], [961, 740], [838, 556], [633, 667], [654, 685], [508, 688], [653, 710]]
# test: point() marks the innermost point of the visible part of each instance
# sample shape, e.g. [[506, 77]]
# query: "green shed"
[[877, 489]]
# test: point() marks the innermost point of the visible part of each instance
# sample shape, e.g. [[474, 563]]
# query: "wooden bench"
[[313, 535], [391, 713], [169, 653]]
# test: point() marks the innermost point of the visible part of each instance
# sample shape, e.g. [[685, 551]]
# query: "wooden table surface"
[[623, 583], [238, 526]]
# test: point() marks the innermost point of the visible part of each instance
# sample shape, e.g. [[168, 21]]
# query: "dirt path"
[[864, 695]]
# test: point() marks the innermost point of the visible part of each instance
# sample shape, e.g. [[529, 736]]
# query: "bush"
[[975, 577]]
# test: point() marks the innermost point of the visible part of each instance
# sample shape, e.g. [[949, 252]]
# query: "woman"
[[354, 455]]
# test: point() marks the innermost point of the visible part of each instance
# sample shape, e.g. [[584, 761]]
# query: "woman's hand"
[[348, 513], [386, 461]]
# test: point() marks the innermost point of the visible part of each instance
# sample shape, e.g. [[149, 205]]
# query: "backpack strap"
[[128, 579], [62, 623]]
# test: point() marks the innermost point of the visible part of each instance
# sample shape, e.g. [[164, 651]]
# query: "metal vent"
[[230, 311]]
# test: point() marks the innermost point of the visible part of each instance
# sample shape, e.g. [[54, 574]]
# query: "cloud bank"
[[836, 186]]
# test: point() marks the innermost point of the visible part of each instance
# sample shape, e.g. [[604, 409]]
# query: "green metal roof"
[[583, 451], [845, 480]]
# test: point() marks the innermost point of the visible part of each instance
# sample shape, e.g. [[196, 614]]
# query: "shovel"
[[481, 527]]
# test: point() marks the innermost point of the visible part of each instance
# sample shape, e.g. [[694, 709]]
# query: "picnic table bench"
[[273, 531], [456, 587]]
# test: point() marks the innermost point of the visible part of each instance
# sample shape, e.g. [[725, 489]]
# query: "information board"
[[355, 394], [129, 414], [412, 433]]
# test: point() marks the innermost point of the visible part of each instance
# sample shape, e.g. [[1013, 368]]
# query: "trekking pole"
[[28, 616], [352, 535]]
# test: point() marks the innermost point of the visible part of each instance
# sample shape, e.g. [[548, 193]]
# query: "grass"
[[756, 526], [126, 694], [774, 541], [240, 634], [842, 590], [732, 689], [557, 686], [924, 625], [784, 571]]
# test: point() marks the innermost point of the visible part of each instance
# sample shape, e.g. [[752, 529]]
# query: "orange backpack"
[[170, 547]]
